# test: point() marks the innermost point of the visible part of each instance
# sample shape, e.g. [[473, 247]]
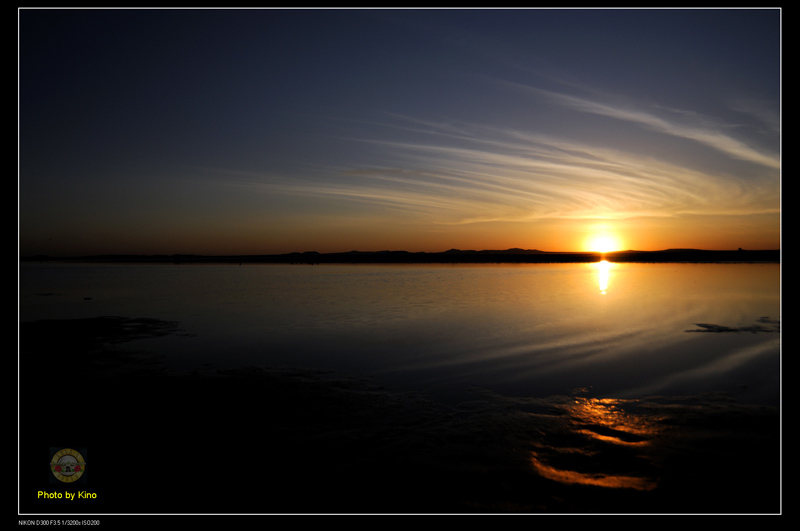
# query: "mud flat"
[[302, 440]]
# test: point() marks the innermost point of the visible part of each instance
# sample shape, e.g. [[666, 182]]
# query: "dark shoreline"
[[453, 256], [260, 440]]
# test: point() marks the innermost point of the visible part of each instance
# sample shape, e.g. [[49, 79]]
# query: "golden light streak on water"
[[598, 480], [603, 269], [599, 432]]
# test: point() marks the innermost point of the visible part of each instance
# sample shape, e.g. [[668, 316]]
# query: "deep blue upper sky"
[[250, 131]]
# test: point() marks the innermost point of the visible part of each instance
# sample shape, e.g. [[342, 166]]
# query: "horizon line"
[[452, 251]]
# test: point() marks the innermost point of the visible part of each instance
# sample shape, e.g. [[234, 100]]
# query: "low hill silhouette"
[[451, 256]]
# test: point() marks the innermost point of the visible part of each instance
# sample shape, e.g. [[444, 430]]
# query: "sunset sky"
[[271, 131]]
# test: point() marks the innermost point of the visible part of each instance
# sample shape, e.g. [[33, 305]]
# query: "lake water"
[[495, 388], [617, 330]]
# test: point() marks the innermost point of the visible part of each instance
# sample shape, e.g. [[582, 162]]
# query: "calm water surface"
[[621, 330]]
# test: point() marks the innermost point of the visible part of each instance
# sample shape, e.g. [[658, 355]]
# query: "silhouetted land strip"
[[453, 256]]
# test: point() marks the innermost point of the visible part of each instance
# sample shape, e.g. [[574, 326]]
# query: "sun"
[[603, 243]]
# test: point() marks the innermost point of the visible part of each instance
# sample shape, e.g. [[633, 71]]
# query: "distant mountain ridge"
[[513, 255]]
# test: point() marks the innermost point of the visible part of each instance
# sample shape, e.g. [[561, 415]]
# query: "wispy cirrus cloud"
[[457, 173], [698, 132]]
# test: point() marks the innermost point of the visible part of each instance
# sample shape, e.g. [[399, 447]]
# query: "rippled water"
[[617, 329], [545, 388]]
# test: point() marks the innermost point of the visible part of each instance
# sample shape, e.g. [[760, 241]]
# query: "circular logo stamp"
[[67, 465]]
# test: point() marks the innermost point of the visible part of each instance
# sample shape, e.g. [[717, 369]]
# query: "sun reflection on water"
[[603, 272]]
